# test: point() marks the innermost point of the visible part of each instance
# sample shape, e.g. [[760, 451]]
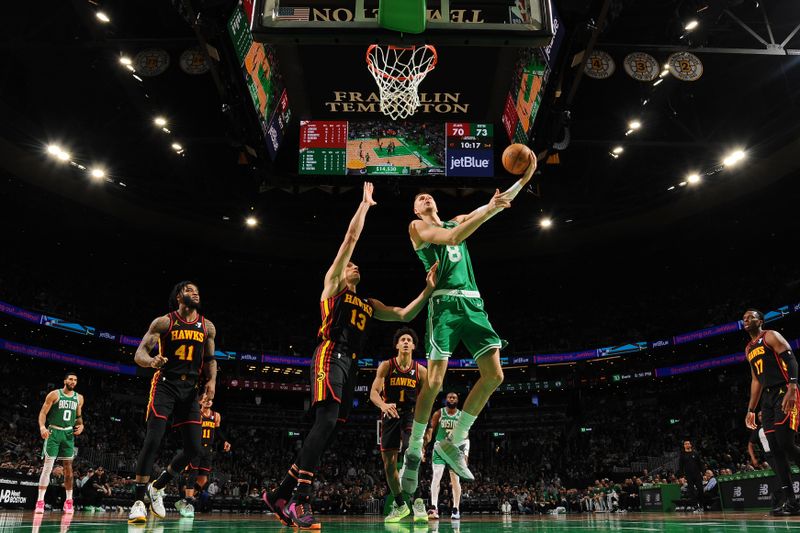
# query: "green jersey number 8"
[[454, 254]]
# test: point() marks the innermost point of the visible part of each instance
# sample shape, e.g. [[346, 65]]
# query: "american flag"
[[293, 13]]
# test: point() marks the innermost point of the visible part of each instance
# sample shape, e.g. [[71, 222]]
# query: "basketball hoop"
[[398, 71]]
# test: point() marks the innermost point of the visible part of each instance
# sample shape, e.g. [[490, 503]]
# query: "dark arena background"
[[227, 142]]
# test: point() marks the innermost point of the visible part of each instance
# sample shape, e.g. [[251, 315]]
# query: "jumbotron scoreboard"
[[323, 147], [470, 149]]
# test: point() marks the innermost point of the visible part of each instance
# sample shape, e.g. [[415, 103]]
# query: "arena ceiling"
[[62, 82]]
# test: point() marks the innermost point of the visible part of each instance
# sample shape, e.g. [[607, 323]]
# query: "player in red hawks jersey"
[[346, 318], [773, 368], [394, 392], [185, 341]]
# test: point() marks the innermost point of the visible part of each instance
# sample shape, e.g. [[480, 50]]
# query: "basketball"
[[517, 157]]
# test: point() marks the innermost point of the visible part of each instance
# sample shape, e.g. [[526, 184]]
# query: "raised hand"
[[499, 201], [367, 198], [430, 279]]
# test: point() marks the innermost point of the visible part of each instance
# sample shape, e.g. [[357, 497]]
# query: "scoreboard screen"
[[323, 147], [470, 149], [339, 147]]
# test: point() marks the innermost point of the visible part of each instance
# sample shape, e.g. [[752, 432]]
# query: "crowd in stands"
[[594, 461]]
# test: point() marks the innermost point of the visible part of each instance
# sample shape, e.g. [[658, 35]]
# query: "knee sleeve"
[[192, 446], [47, 469], [152, 441], [320, 435]]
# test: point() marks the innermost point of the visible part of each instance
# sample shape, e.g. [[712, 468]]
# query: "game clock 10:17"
[[470, 149]]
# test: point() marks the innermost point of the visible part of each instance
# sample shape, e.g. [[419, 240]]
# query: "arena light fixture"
[[733, 158], [138, 78], [692, 24], [102, 17], [130, 67], [682, 184], [53, 149], [618, 150], [546, 222], [125, 60], [160, 121], [658, 82], [251, 221], [97, 173], [177, 147], [693, 179], [664, 73], [671, 188], [634, 124]]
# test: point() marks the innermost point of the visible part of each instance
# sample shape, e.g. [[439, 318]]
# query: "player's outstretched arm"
[[49, 400], [515, 189], [388, 409], [421, 232], [334, 278], [142, 358], [210, 366], [408, 313]]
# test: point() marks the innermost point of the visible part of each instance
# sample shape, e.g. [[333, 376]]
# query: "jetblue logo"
[[477, 163], [468, 162]]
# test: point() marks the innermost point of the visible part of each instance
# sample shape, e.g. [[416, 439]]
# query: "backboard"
[[518, 23]]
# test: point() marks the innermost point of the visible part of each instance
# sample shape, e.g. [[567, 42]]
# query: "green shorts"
[[60, 445], [454, 319]]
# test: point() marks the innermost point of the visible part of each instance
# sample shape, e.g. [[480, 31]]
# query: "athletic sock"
[[302, 492], [141, 488], [417, 435], [461, 430], [163, 479], [288, 484], [398, 499], [69, 494]]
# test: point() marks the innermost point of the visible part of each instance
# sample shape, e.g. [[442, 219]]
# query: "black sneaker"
[[781, 509], [793, 507], [301, 515], [278, 507]]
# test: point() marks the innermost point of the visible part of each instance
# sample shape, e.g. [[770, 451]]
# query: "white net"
[[398, 73]]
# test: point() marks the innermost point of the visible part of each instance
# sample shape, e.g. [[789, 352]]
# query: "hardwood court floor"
[[18, 521]]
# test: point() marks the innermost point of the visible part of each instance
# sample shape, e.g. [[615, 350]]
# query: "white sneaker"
[[420, 515], [455, 515], [138, 514], [156, 501], [185, 508]]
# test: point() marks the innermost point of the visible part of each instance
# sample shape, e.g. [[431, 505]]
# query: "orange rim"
[[383, 74]]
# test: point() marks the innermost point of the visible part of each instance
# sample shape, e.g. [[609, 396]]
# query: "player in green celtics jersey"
[[59, 422], [455, 314], [443, 422]]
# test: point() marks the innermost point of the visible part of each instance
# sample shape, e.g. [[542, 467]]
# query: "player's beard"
[[452, 405], [191, 304], [69, 387]]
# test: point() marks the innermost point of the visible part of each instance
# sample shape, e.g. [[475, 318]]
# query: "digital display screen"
[[399, 149]]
